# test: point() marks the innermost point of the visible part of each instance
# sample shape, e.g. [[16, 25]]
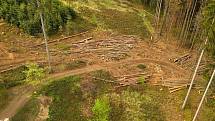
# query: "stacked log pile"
[[126, 80], [105, 49], [177, 84]]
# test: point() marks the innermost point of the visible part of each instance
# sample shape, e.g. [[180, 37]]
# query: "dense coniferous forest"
[[25, 15]]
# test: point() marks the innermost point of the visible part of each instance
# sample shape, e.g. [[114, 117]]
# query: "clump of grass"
[[142, 80], [101, 109], [141, 66], [29, 112], [34, 72], [76, 64]]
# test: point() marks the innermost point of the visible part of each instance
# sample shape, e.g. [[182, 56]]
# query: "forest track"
[[19, 101]]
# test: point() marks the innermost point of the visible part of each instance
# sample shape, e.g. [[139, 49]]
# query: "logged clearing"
[[117, 40]]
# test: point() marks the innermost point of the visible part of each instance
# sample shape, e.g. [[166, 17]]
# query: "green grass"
[[127, 23], [28, 112], [12, 78], [67, 99], [78, 25], [133, 105], [115, 16]]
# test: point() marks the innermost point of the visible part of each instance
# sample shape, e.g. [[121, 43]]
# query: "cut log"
[[176, 90], [61, 39], [109, 81], [132, 75]]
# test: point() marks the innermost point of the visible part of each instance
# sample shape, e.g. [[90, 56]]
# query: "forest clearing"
[[109, 60]]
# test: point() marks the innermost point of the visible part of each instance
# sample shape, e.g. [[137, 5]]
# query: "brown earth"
[[119, 54]]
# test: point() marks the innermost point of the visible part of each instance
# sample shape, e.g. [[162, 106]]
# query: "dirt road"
[[19, 101]]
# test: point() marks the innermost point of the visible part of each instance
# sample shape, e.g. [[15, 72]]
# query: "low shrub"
[[101, 109], [141, 80], [141, 66], [34, 72], [134, 107]]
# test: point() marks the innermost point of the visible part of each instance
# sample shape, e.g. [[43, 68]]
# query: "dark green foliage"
[[28, 112], [141, 66], [25, 14], [67, 99]]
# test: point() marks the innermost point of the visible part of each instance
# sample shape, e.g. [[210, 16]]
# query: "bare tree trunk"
[[193, 37], [182, 16], [203, 97], [194, 75], [164, 17], [45, 37], [159, 12], [185, 24], [190, 20]]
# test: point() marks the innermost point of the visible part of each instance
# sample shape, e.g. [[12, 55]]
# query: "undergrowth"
[[67, 99], [13, 77]]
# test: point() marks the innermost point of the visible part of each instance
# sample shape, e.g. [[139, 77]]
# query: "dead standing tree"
[[203, 97], [45, 36]]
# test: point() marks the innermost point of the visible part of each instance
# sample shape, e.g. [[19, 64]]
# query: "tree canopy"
[[25, 14]]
